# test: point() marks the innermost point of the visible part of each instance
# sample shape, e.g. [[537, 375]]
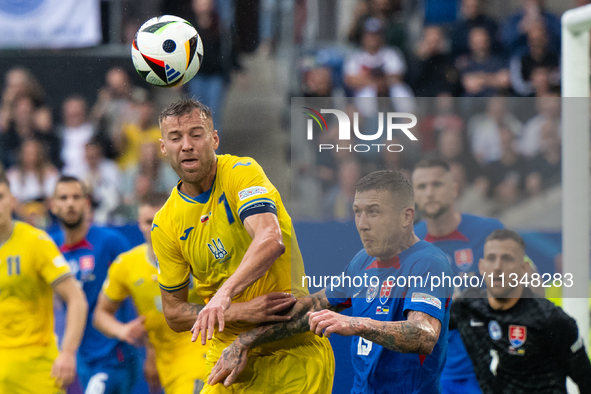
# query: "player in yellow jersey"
[[31, 269], [226, 225], [179, 362]]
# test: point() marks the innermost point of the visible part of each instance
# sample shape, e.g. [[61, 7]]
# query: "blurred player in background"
[[400, 326], [105, 366], [172, 360], [461, 236], [31, 269], [225, 224], [518, 342]]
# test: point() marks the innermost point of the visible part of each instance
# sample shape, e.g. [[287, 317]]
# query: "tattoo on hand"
[[298, 323]]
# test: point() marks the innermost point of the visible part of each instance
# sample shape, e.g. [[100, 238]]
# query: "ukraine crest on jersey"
[[205, 236]]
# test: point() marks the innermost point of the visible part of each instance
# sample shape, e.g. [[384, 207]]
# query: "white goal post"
[[575, 163]]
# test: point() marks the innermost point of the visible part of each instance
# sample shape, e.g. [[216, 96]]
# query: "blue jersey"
[[89, 260], [379, 370], [464, 247]]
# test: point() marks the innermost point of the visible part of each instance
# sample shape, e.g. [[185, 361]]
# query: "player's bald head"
[[186, 106]]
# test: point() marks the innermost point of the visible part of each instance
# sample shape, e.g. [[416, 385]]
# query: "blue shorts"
[[460, 386], [109, 380]]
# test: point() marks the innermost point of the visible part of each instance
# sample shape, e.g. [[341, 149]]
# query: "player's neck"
[[77, 234], [194, 189], [6, 231], [407, 241], [445, 224], [503, 304]]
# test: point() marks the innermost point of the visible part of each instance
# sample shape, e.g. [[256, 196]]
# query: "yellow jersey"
[[30, 264], [133, 274], [134, 137], [205, 236]]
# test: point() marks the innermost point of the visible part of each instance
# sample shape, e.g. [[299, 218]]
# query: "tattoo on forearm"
[[297, 324], [191, 308], [413, 335]]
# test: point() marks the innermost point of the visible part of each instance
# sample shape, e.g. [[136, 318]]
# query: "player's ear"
[[216, 140], [408, 216], [52, 205], [162, 149], [13, 202]]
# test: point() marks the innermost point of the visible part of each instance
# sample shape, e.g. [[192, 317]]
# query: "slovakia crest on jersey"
[[517, 335], [386, 290], [464, 258], [86, 263], [372, 292]]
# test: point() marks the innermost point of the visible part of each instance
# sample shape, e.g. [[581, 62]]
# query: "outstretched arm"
[[234, 357], [418, 334], [104, 320], [64, 366], [181, 314]]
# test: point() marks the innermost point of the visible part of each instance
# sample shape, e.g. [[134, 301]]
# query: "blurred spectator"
[[471, 196], [545, 169], [75, 133], [538, 57], [23, 126], [318, 82], [134, 132], [548, 110], [376, 71], [482, 73], [452, 148], [386, 11], [269, 18], [515, 30], [484, 130], [339, 199], [543, 82], [210, 84], [103, 179], [506, 177], [34, 177], [112, 107], [151, 173], [441, 118], [433, 73], [402, 161], [20, 82], [472, 16]]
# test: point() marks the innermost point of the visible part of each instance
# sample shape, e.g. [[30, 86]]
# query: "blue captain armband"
[[256, 206]]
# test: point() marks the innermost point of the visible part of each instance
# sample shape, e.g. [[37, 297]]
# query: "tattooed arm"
[[235, 356], [181, 314], [418, 334]]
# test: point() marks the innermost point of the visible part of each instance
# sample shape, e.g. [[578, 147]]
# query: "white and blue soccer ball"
[[167, 51]]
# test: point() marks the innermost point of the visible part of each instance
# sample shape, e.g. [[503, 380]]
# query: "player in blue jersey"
[[105, 366], [399, 325], [461, 237]]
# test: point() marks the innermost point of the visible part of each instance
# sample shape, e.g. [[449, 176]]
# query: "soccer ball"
[[167, 51]]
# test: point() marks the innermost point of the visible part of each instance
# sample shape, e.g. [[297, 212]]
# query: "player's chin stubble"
[[434, 215], [71, 225]]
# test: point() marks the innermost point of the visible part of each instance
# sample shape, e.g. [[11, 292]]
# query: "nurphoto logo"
[[392, 120]]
